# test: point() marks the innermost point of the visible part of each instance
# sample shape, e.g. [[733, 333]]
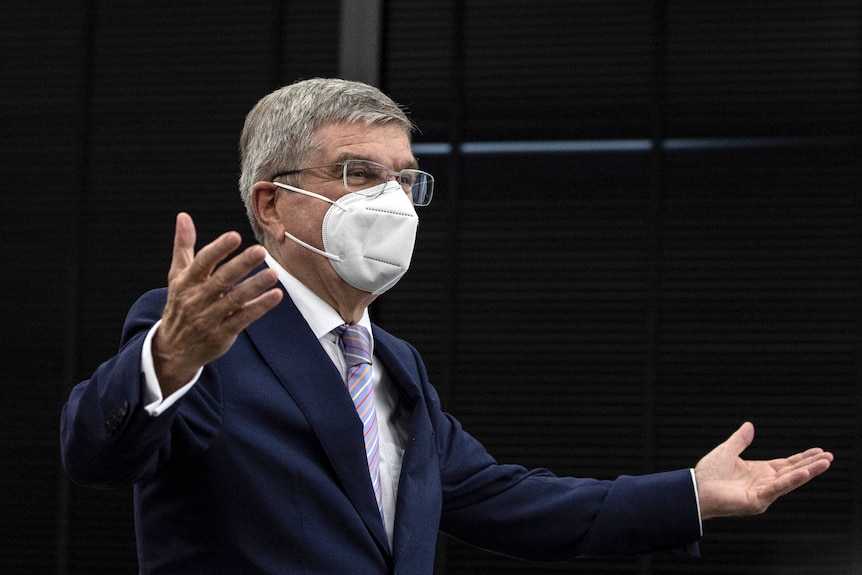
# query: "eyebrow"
[[411, 165]]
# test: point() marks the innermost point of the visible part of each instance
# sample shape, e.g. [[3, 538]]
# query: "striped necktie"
[[355, 344]]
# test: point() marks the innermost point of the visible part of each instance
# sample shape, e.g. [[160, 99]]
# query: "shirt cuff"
[[154, 403], [697, 501]]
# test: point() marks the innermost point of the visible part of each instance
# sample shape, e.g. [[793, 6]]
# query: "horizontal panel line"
[[555, 146], [628, 145]]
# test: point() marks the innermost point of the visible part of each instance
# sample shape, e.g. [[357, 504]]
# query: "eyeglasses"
[[361, 174]]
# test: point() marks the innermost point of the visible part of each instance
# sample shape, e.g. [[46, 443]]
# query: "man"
[[261, 439]]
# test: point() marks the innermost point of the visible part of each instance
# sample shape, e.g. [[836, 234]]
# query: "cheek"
[[303, 217]]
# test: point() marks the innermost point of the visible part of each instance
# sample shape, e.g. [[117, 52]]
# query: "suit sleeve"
[[107, 438], [535, 515]]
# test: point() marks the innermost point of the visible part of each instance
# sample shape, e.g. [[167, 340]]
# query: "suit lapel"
[[419, 491], [288, 345]]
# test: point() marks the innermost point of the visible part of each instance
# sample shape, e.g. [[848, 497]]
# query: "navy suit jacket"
[[260, 468]]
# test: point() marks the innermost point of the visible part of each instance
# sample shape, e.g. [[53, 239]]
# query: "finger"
[[794, 479], [812, 459], [212, 254], [812, 463], [819, 464], [803, 457], [184, 244], [806, 459], [238, 295], [253, 310], [235, 269]]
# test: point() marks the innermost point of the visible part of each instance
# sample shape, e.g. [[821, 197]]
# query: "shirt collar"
[[319, 315]]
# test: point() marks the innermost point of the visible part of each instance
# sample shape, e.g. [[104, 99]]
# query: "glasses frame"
[[427, 182]]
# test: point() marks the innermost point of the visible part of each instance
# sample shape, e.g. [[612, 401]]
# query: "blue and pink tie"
[[355, 344]]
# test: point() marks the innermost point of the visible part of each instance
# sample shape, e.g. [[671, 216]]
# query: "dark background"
[[667, 244]]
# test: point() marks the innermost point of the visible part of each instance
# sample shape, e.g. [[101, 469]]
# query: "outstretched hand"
[[208, 306], [730, 486]]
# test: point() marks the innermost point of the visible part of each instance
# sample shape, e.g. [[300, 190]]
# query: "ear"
[[263, 200]]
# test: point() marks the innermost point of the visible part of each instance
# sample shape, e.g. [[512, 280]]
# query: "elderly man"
[[269, 427]]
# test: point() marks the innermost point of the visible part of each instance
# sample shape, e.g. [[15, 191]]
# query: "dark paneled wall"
[[669, 247]]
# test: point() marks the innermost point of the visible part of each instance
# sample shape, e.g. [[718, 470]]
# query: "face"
[[302, 216]]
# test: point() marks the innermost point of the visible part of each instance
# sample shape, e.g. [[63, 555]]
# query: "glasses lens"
[[422, 187], [361, 175]]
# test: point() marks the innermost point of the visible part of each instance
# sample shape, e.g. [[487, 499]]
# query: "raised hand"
[[208, 305], [729, 485]]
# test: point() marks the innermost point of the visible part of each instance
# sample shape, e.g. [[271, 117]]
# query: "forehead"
[[387, 144]]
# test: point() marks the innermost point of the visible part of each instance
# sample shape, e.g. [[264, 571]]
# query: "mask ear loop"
[[327, 255], [308, 246], [310, 194]]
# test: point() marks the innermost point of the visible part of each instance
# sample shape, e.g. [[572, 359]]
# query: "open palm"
[[729, 485]]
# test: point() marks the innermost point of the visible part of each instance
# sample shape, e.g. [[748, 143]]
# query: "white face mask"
[[368, 236]]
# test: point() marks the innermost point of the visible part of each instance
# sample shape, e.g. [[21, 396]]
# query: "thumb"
[[184, 245], [741, 438]]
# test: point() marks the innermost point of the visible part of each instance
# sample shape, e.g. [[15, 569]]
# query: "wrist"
[[171, 372]]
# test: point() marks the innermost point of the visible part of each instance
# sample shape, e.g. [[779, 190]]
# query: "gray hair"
[[280, 131]]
